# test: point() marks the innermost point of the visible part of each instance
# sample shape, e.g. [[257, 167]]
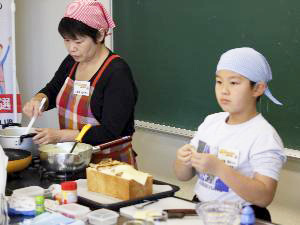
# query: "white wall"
[[40, 50]]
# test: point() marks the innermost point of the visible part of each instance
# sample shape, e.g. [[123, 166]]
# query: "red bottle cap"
[[68, 186]]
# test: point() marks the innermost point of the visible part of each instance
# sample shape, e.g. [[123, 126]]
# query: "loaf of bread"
[[119, 180]]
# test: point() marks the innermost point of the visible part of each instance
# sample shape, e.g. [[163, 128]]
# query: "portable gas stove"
[[36, 175]]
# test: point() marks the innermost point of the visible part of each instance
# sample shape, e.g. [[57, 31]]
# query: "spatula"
[[79, 137], [34, 117]]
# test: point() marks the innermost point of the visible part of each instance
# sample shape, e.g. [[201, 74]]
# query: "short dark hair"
[[252, 84], [71, 28]]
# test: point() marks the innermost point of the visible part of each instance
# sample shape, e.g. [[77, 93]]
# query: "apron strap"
[[107, 62], [105, 65], [72, 70]]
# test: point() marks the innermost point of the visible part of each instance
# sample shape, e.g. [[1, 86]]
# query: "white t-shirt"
[[249, 147]]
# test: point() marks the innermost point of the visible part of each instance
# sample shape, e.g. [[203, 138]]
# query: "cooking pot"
[[18, 159], [12, 136], [56, 157]]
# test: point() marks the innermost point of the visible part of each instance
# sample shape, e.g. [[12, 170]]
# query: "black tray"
[[116, 206], [31, 177]]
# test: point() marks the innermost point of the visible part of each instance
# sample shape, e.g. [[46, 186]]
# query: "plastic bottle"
[[247, 217], [39, 205], [69, 192]]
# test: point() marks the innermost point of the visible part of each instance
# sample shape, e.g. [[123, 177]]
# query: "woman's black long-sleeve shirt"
[[112, 102]]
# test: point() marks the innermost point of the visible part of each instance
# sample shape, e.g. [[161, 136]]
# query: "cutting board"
[[166, 203], [161, 204], [169, 203]]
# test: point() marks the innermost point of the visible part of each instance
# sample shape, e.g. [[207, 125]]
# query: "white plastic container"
[[74, 211], [31, 191], [103, 217]]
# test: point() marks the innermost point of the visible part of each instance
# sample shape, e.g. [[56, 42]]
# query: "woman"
[[91, 86]]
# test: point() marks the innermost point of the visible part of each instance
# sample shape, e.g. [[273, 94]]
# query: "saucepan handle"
[[22, 137], [110, 144], [11, 125]]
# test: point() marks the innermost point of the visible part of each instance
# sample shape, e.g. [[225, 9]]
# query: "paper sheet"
[[3, 171]]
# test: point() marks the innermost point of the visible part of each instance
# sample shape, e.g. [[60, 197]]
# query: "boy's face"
[[234, 92]]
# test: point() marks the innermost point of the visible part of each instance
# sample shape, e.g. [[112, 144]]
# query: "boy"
[[239, 153]]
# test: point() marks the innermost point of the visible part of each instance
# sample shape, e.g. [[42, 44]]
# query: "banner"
[[9, 91]]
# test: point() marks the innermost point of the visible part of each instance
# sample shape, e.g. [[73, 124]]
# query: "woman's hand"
[[52, 136], [31, 108], [206, 163], [47, 136], [184, 154]]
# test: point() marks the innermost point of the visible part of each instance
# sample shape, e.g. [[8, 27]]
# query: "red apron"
[[74, 112]]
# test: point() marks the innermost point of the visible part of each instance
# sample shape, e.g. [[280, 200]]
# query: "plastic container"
[[68, 192], [74, 211], [31, 191], [103, 217], [39, 205], [218, 213], [247, 216]]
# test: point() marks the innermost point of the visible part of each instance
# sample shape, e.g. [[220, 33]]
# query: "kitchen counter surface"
[[122, 219], [33, 176]]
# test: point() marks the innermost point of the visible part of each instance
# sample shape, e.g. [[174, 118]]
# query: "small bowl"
[[218, 213]]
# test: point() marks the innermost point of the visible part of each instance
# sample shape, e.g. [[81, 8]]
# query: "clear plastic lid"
[[103, 215], [31, 191], [73, 210]]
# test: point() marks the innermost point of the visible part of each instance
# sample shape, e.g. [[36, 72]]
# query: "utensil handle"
[[80, 135], [82, 132], [34, 117], [30, 125], [184, 211]]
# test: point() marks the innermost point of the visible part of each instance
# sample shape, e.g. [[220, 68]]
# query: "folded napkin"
[[3, 172]]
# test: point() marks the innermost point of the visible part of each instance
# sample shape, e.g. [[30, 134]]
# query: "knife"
[[180, 213]]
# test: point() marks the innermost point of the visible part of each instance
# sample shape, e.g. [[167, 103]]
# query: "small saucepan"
[[57, 157], [18, 159], [12, 136]]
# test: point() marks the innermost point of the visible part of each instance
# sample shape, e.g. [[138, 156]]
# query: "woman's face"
[[82, 49]]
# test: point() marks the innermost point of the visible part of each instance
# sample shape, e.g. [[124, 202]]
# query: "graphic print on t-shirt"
[[230, 158]]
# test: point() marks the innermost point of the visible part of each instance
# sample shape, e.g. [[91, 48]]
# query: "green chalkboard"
[[173, 47]]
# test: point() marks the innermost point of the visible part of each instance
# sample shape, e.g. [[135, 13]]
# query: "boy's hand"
[[184, 154], [206, 163]]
